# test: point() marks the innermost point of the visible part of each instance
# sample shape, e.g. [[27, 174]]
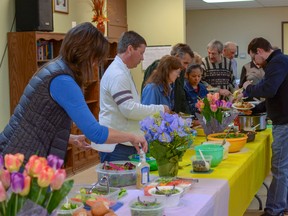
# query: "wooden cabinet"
[[27, 51], [117, 15]]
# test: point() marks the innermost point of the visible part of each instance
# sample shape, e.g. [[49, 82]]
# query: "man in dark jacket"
[[273, 87], [186, 55]]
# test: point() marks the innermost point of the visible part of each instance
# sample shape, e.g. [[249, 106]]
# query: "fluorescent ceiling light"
[[220, 1]]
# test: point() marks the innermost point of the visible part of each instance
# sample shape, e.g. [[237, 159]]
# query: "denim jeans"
[[278, 191], [120, 153]]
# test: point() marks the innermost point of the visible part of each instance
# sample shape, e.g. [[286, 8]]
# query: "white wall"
[[239, 25]]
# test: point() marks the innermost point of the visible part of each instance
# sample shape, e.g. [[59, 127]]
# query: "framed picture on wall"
[[61, 6], [285, 37]]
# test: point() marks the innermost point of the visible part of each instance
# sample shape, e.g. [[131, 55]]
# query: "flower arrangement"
[[41, 182], [213, 113], [169, 136], [98, 9], [212, 107]]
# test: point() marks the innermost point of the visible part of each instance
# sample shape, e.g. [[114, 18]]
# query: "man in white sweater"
[[120, 106]]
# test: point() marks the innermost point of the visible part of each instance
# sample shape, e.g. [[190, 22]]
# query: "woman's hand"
[[79, 141]]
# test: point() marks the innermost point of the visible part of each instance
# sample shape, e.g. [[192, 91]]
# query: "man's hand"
[[166, 109], [79, 141], [140, 141], [247, 83], [224, 92]]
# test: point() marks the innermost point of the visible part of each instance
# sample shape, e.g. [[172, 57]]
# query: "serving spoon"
[[207, 165]]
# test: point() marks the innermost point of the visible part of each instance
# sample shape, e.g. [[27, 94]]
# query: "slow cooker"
[[253, 120]]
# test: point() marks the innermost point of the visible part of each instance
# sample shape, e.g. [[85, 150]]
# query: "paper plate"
[[243, 108]]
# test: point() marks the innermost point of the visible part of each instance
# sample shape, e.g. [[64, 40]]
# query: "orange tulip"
[[27, 183], [3, 195], [45, 177], [35, 165], [58, 179], [13, 162]]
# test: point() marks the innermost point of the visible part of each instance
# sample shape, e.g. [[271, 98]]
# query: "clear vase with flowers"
[[41, 182], [169, 136], [215, 114]]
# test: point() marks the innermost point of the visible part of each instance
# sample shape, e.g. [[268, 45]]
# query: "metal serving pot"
[[253, 120]]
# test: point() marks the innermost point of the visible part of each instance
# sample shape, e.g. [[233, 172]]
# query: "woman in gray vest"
[[53, 98]]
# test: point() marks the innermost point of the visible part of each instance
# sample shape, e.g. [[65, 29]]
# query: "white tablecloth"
[[207, 197]]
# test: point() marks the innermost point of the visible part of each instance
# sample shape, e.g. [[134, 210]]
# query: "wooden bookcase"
[[27, 51]]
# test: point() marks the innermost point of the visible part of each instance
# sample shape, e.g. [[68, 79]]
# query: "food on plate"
[[167, 191], [230, 135], [170, 181], [69, 206], [243, 105]]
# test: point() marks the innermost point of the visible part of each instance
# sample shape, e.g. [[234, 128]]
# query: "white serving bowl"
[[168, 200]]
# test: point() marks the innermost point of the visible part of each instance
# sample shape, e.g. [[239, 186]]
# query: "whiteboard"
[[153, 53]]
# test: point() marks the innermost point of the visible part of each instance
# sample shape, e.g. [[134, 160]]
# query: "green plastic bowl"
[[215, 151], [150, 160]]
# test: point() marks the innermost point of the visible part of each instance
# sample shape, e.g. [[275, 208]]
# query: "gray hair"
[[215, 44]]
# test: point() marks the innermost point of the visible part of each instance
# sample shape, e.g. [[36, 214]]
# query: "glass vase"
[[168, 169]]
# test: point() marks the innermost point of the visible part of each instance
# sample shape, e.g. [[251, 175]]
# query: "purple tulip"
[[55, 162], [1, 163], [17, 182]]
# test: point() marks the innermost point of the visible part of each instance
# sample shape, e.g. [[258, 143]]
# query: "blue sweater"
[[192, 95], [154, 94], [274, 87]]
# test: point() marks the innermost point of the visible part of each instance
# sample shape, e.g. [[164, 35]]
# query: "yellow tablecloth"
[[245, 171]]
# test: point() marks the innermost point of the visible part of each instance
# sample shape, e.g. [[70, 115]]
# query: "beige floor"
[[89, 176]]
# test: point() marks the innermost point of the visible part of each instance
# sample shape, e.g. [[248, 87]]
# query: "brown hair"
[[160, 75], [82, 47], [259, 43]]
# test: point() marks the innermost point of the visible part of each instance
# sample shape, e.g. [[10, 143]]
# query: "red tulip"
[[58, 179], [3, 195], [45, 177], [5, 178], [27, 183], [13, 162]]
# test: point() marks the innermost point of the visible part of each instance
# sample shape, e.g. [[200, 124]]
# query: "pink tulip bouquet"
[[41, 181], [214, 113]]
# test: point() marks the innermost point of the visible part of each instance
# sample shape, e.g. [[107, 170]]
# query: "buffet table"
[[207, 197], [244, 171]]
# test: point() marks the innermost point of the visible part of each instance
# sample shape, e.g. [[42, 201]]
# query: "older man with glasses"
[[217, 69]]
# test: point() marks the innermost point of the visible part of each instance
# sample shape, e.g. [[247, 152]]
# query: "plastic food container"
[[215, 151], [236, 144], [225, 146], [198, 164], [138, 209], [118, 178], [171, 200], [97, 192], [69, 212]]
